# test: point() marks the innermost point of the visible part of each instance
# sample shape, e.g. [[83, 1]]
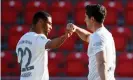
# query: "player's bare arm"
[[57, 42], [101, 65], [82, 33]]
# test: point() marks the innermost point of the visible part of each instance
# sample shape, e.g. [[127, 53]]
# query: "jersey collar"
[[43, 35], [99, 28]]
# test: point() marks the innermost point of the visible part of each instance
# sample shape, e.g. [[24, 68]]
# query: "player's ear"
[[92, 19], [40, 21]]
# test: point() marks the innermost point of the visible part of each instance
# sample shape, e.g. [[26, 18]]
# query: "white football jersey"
[[101, 40], [33, 57]]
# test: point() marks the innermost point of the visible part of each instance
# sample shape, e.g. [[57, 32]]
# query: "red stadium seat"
[[125, 57], [28, 16], [113, 8], [113, 5], [10, 9], [125, 69], [121, 36], [8, 16], [59, 18], [53, 33], [7, 58], [128, 17], [75, 69], [12, 5], [77, 64], [62, 6], [3, 33], [81, 4], [36, 6], [111, 18], [13, 69], [78, 56], [85, 45], [79, 15], [128, 13], [129, 5], [69, 44], [15, 33], [3, 68], [55, 59], [124, 66], [54, 70], [31, 8]]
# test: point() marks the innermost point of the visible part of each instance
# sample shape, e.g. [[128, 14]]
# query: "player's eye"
[[49, 23]]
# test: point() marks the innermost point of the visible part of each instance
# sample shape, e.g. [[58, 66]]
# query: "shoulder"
[[41, 37], [98, 37]]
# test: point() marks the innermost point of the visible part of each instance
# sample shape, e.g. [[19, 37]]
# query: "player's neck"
[[36, 30], [97, 26]]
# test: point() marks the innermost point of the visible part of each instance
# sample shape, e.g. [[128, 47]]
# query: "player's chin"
[[49, 31]]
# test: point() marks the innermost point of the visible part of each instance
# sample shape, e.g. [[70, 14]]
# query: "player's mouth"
[[49, 31]]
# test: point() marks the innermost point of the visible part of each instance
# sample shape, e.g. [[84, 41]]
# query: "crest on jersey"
[[42, 37]]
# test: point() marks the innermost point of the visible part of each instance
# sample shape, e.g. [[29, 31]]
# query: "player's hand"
[[68, 34], [71, 27]]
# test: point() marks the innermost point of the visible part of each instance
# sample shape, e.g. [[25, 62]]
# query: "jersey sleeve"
[[18, 57], [98, 44], [41, 42]]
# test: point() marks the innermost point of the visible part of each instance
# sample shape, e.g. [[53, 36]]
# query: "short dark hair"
[[97, 11], [40, 15]]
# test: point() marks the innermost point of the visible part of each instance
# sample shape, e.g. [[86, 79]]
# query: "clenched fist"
[[71, 27]]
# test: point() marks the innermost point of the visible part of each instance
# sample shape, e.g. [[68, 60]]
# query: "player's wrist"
[[65, 36], [76, 28]]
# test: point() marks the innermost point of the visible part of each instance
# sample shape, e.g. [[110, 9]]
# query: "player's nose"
[[50, 27]]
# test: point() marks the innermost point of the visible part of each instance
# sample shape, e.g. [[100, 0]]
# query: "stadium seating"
[[3, 33], [79, 17], [55, 62], [12, 5], [59, 18], [128, 12], [77, 64], [125, 65], [85, 45], [62, 6], [53, 33], [31, 8], [59, 11], [81, 4], [15, 33], [126, 57], [79, 12], [113, 9], [8, 16], [69, 44], [78, 56], [10, 11], [9, 63], [121, 37], [36, 6]]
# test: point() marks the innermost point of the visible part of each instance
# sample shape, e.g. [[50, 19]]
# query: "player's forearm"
[[102, 71], [55, 43], [83, 34]]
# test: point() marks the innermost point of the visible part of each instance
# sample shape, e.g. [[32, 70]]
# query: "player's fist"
[[71, 27]]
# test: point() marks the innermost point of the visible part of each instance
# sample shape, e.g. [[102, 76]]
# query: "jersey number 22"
[[22, 54]]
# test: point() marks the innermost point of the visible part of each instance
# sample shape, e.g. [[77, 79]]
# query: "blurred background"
[[70, 61]]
